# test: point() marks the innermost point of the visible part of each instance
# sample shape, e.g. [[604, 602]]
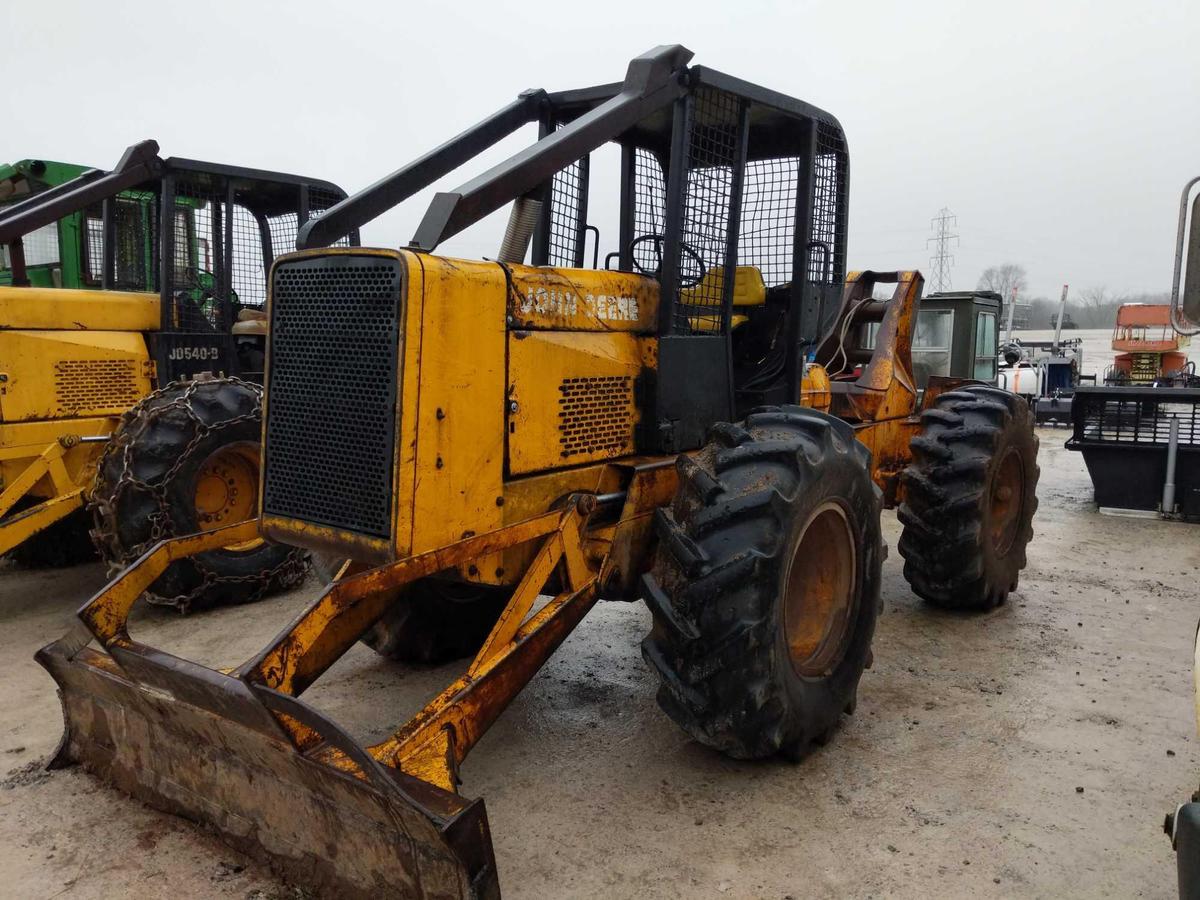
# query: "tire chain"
[[287, 573]]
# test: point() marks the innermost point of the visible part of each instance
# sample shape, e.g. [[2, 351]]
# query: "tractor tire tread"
[[947, 562]]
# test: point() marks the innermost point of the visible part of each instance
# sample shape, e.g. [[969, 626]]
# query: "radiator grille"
[[595, 415], [331, 392], [91, 386]]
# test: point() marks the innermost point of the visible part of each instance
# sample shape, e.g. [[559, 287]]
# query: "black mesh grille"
[[251, 260], [226, 237], [93, 244], [714, 150], [135, 255], [769, 217], [568, 215], [283, 229], [649, 209], [204, 224], [331, 393], [827, 241]]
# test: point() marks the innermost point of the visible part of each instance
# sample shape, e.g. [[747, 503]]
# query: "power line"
[[942, 260]]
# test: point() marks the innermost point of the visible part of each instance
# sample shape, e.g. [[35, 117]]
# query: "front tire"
[[765, 584], [431, 621], [437, 621], [970, 493], [184, 460]]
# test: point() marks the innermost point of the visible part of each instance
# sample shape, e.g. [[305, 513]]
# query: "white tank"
[[1023, 379]]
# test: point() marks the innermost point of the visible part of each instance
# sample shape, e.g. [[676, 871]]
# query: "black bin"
[[1123, 433]]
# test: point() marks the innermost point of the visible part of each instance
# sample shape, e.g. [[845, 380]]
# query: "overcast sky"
[[1059, 133]]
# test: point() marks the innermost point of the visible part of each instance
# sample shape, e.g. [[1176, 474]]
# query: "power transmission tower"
[[942, 260]]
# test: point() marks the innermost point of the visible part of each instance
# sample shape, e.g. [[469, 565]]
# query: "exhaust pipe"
[[519, 232], [1168, 494]]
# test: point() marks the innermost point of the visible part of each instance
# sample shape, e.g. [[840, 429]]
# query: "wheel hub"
[[820, 592], [1006, 501], [226, 489]]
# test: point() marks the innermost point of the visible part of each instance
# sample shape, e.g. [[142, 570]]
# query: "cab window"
[[932, 341], [985, 346], [41, 248]]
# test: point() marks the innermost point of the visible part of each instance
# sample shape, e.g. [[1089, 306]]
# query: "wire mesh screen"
[[284, 227], [827, 240], [768, 219], [135, 250], [93, 244], [199, 289], [204, 278], [1133, 416], [568, 214], [250, 259], [713, 154], [649, 209], [319, 202]]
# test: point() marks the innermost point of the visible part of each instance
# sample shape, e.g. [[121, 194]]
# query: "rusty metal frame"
[[68, 496], [414, 770], [881, 401], [349, 606], [885, 388]]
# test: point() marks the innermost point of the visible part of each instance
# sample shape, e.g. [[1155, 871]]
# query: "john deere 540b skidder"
[[125, 286], [468, 436]]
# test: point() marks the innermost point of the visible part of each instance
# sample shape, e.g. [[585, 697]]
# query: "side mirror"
[[1190, 293], [1185, 297]]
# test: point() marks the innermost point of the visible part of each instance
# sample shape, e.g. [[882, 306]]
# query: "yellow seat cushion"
[[709, 324], [749, 289]]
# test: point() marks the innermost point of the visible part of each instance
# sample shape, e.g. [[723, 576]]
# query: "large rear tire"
[[970, 493], [765, 584], [186, 460]]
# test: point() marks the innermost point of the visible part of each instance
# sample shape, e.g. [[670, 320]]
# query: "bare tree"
[[1098, 306], [1042, 311], [1004, 279]]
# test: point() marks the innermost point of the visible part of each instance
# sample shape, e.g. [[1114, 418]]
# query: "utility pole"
[[1012, 306], [942, 225], [1062, 309]]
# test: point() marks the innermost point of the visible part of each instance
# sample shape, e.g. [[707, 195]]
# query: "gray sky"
[[1059, 133]]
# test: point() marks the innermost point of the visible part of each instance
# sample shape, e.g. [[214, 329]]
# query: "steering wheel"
[[685, 281]]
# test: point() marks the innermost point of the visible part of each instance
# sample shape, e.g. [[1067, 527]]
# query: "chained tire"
[[437, 621], [184, 460], [970, 495], [765, 585]]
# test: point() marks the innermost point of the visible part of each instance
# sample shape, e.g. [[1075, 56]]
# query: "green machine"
[[55, 254], [69, 253], [958, 334]]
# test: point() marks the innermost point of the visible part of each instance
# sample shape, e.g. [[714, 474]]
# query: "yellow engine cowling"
[[73, 353], [53, 375], [514, 385], [70, 363]]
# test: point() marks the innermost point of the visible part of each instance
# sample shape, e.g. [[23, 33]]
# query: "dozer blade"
[[203, 745], [238, 750]]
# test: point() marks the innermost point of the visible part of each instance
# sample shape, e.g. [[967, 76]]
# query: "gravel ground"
[[1028, 752]]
